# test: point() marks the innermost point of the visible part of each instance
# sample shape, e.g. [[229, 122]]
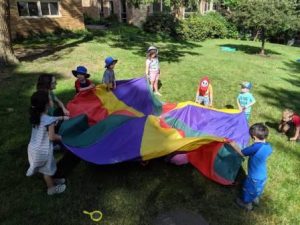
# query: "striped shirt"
[[40, 148]]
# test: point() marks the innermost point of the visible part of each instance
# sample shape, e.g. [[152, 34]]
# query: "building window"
[[38, 8], [49, 8]]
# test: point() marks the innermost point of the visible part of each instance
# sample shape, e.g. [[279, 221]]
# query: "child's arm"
[[147, 68], [52, 135], [91, 86], [210, 95], [63, 117], [280, 126], [197, 94], [251, 104], [61, 105], [296, 136], [114, 81], [236, 148], [238, 103]]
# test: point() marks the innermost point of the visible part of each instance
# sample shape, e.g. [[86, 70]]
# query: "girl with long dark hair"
[[40, 147]]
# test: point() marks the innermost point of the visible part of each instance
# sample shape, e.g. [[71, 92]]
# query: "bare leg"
[[156, 85], [152, 85], [49, 181]]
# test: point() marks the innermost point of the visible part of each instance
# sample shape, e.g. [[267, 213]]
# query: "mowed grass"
[[130, 194]]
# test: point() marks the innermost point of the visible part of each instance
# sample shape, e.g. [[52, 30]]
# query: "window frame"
[[39, 7]]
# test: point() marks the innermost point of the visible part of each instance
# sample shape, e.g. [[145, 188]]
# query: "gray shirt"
[[108, 76]]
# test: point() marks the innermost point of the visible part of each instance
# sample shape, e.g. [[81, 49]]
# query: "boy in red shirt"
[[290, 119], [82, 83]]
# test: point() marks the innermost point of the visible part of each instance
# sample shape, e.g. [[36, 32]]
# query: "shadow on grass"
[[281, 97], [34, 53], [137, 41], [248, 49], [293, 66], [120, 36]]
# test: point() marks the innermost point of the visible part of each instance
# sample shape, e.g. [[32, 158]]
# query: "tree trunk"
[[263, 40], [211, 5], [178, 11], [7, 56], [256, 35]]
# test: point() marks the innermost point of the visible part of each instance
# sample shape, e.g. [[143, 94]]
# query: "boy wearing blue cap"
[[109, 78], [82, 83], [245, 99]]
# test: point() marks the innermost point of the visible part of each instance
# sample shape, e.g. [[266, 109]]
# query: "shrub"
[[110, 20], [199, 27], [164, 23], [194, 28]]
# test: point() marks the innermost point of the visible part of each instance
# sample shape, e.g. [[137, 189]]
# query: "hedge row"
[[196, 27]]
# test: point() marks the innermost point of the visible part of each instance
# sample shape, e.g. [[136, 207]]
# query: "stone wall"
[[70, 17]]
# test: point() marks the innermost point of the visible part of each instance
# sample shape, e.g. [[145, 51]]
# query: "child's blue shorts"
[[252, 188]]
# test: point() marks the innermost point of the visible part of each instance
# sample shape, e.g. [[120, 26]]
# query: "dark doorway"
[[101, 9], [123, 11]]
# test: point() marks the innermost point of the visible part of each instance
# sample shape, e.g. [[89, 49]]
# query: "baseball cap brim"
[[113, 62]]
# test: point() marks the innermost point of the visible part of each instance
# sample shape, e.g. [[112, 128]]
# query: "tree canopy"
[[269, 17]]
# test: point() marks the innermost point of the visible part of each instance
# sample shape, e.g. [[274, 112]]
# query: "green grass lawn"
[[130, 194]]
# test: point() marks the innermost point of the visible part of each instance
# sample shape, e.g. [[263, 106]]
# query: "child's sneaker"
[[246, 206], [157, 93], [59, 181], [256, 201], [56, 189]]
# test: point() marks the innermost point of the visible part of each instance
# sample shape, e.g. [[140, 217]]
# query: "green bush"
[[163, 23], [200, 27]]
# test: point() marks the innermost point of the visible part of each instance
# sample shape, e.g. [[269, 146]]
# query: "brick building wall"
[[137, 16], [70, 17], [91, 8]]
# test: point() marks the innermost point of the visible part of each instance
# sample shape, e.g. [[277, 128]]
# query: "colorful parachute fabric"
[[129, 123]]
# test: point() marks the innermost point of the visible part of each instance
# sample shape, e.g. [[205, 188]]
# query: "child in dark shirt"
[[82, 83]]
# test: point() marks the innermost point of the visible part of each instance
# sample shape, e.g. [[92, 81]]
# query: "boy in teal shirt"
[[245, 99]]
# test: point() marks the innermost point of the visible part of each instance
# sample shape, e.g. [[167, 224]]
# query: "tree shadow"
[[120, 36], [139, 41], [34, 53], [293, 66], [248, 49], [281, 97]]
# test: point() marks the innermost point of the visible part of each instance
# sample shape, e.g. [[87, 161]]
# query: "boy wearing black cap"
[[82, 83]]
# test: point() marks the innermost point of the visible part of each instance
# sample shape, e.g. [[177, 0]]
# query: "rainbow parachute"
[[129, 123]]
